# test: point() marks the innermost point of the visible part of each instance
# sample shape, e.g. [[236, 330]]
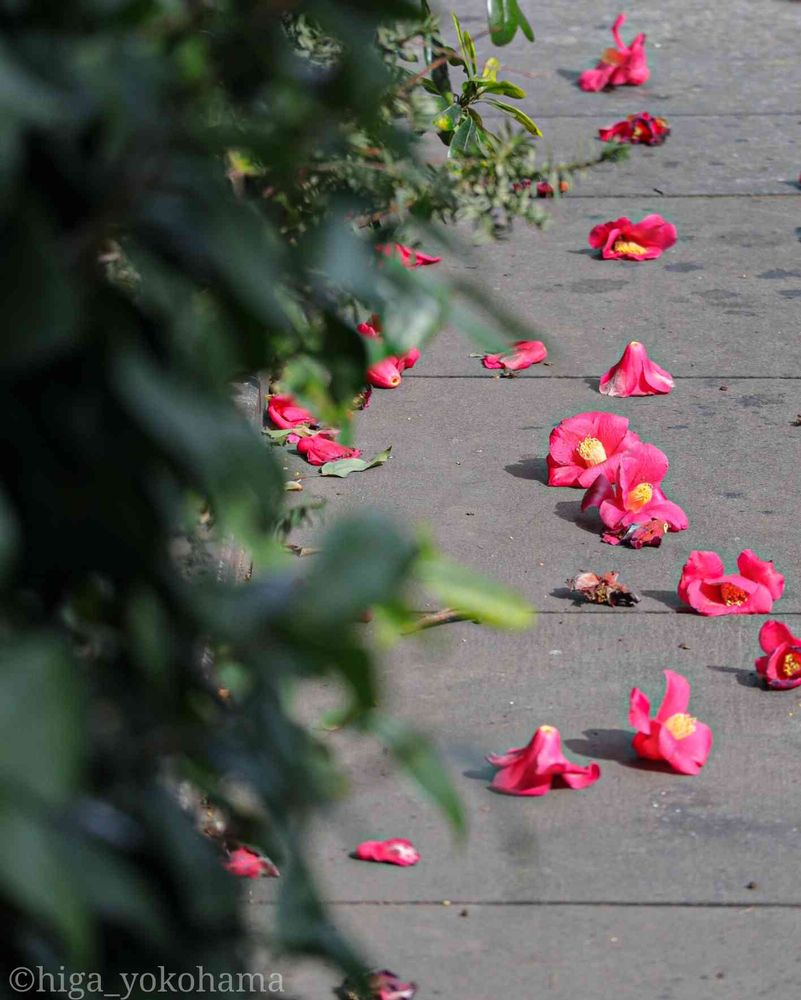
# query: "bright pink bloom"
[[544, 189], [638, 130], [249, 864], [781, 668], [636, 496], [673, 736], [371, 330], [381, 985], [707, 588], [622, 239], [409, 359], [409, 257], [587, 446], [284, 412], [396, 851], [530, 770], [319, 449], [385, 374], [636, 375], [624, 65], [525, 354]]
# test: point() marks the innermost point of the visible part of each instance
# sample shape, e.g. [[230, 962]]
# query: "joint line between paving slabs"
[[583, 378], [617, 904]]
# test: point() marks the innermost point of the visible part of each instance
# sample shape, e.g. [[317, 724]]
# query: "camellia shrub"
[[192, 191]]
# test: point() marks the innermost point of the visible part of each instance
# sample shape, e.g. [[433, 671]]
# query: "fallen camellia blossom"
[[386, 374], [636, 497], [545, 189], [622, 239], [532, 769], [319, 449], [707, 588], [409, 256], [636, 375], [371, 329], [781, 667], [284, 412], [640, 129], [649, 534], [605, 589], [396, 851], [249, 864], [383, 985], [586, 446], [625, 65], [525, 354], [673, 736]]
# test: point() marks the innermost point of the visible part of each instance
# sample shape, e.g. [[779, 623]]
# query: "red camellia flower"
[[409, 257], [635, 375], [673, 736], [531, 770], [386, 374], [319, 449], [587, 446], [249, 864], [392, 852], [525, 354], [622, 239], [638, 130], [284, 412], [371, 329], [781, 667], [707, 588], [625, 65], [636, 497], [382, 985]]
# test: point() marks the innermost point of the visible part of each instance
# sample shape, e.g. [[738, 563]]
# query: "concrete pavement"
[[648, 884]]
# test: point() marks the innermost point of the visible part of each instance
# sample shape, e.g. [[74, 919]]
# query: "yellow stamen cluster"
[[681, 725], [791, 665], [732, 596], [592, 451], [624, 246], [639, 496]]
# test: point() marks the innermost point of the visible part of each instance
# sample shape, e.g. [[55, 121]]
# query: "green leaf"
[[472, 595], [417, 756], [40, 718], [467, 46], [278, 435], [343, 467], [466, 139], [503, 87], [491, 67], [447, 120], [504, 17], [517, 114]]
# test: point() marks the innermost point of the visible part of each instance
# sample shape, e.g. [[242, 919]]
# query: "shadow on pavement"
[[747, 678], [613, 744], [529, 468]]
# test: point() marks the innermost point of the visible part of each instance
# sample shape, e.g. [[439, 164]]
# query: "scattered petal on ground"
[[781, 666], [586, 446], [636, 375], [624, 65], [707, 588], [532, 769], [672, 736], [640, 129], [249, 864], [605, 589], [622, 239], [395, 851]]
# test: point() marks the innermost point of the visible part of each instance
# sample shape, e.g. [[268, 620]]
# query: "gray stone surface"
[[469, 459], [574, 952], [725, 300], [648, 884], [705, 59]]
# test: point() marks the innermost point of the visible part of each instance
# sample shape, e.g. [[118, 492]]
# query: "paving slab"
[[724, 301], [704, 59], [748, 154], [640, 834], [468, 461], [487, 953]]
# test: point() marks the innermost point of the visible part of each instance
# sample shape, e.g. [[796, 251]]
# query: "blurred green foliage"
[[191, 190]]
